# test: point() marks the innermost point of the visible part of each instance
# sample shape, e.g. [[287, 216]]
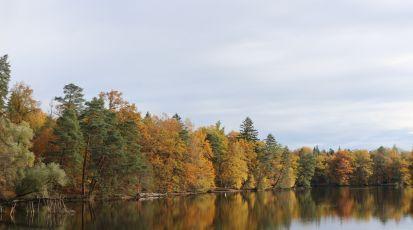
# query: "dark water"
[[320, 208]]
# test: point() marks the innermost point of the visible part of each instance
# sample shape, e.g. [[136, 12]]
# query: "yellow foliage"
[[235, 168], [199, 171], [161, 144]]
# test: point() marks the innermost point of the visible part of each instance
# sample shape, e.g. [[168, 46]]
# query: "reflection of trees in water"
[[271, 210], [392, 203], [247, 210], [231, 212], [383, 203], [308, 208], [41, 218]]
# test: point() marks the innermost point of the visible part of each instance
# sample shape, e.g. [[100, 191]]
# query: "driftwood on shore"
[[149, 196]]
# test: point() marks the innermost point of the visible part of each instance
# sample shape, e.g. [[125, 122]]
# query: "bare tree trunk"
[[84, 169], [94, 181]]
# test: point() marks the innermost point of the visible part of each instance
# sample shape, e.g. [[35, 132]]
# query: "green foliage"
[[69, 146], [219, 144], [247, 131], [363, 167], [269, 162], [138, 171], [321, 172], [400, 170], [183, 133], [288, 173], [380, 162], [306, 169], [105, 148], [15, 155], [316, 150], [41, 180], [270, 141], [4, 82], [72, 99], [18, 176]]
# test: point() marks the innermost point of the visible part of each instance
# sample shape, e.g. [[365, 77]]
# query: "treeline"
[[105, 147]]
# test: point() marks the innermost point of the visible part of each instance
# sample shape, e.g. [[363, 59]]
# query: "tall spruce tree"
[[270, 141], [269, 158], [270, 155], [184, 133], [247, 131], [4, 82]]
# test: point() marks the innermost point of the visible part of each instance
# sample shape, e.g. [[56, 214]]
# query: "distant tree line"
[[105, 147]]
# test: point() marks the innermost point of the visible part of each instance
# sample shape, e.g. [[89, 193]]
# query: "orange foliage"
[[341, 167]]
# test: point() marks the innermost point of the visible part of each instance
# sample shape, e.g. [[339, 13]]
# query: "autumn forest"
[[105, 147]]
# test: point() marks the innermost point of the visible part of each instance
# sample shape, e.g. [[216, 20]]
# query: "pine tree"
[[4, 82], [269, 158], [93, 125], [72, 99], [270, 141], [138, 172], [69, 144], [105, 148], [247, 131], [137, 168]]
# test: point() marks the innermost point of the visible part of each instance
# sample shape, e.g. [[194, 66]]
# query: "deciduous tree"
[[363, 167], [306, 167], [341, 167], [200, 173]]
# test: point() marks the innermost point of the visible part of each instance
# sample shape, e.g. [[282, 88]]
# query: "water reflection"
[[321, 207]]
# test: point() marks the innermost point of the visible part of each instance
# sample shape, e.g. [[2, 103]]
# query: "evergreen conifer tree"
[[247, 131], [4, 82]]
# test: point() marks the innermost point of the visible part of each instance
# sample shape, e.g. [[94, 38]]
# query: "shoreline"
[[153, 195]]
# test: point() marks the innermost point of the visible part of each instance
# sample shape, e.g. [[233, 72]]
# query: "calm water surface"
[[320, 208]]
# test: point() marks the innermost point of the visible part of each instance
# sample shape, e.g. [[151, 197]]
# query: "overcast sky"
[[327, 73]]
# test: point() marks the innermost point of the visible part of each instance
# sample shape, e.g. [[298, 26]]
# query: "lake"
[[318, 208]]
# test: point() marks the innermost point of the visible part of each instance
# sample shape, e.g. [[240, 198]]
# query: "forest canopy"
[[105, 147]]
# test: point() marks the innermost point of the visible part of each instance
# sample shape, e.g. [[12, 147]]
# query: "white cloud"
[[332, 73]]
